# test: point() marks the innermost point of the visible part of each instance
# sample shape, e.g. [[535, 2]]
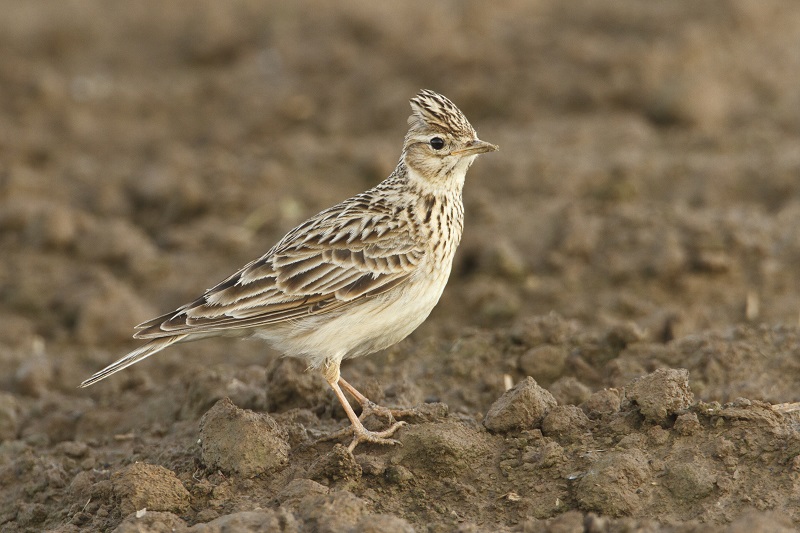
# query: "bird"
[[351, 280]]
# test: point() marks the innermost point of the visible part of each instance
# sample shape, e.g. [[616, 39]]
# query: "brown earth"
[[633, 249]]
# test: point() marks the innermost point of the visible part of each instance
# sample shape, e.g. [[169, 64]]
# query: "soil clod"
[[241, 441]]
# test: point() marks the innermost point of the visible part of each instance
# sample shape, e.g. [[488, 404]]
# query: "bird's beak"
[[476, 147]]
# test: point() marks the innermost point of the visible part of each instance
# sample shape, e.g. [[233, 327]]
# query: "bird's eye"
[[437, 143]]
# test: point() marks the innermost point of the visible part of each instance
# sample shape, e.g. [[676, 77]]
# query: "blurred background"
[[649, 167]]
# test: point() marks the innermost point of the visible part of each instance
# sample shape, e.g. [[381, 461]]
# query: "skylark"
[[353, 279]]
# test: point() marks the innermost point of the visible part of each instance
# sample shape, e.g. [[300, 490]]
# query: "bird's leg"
[[360, 433], [368, 407]]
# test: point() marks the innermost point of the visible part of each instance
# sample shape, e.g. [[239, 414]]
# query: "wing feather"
[[351, 251]]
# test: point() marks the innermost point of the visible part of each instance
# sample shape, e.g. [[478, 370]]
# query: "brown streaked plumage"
[[353, 279]]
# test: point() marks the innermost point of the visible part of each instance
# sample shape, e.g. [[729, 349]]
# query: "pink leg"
[[360, 433]]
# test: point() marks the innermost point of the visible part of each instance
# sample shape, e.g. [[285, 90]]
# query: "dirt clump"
[[336, 467], [145, 486], [241, 441], [661, 394], [613, 484], [521, 407]]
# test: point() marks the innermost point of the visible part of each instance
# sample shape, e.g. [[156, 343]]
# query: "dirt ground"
[[630, 265]]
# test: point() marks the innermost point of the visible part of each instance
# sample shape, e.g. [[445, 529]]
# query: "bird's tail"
[[134, 357]]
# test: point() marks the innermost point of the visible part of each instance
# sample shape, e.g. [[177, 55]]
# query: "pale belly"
[[362, 328]]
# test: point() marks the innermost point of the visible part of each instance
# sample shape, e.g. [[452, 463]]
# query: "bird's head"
[[440, 144]]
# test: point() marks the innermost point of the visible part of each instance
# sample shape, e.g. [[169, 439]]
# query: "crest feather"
[[432, 111]]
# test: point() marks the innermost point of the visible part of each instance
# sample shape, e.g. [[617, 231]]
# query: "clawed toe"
[[362, 434], [357, 429], [371, 408]]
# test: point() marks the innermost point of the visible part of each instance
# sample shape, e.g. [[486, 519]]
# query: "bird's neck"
[[436, 206], [439, 184]]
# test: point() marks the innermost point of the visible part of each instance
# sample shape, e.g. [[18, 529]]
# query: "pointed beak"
[[476, 147]]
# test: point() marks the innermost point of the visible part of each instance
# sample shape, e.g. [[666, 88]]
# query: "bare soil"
[[630, 265]]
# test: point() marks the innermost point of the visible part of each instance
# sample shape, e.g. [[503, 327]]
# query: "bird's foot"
[[357, 429], [361, 434], [371, 408]]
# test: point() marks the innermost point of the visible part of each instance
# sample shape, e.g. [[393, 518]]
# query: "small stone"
[[687, 424], [657, 436], [398, 474], [602, 403], [143, 485], [522, 407], [741, 402], [565, 422], [661, 394], [241, 441], [336, 466]]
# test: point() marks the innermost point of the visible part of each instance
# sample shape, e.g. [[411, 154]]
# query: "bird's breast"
[[443, 222]]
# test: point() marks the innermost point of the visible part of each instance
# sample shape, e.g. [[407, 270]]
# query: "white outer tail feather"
[[142, 352]]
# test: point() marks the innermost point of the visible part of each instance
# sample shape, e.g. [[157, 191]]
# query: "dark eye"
[[437, 143]]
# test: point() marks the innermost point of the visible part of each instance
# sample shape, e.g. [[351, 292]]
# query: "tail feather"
[[134, 357]]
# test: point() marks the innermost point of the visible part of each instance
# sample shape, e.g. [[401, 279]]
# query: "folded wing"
[[334, 259]]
